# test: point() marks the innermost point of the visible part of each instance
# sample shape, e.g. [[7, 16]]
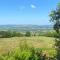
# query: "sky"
[[26, 11]]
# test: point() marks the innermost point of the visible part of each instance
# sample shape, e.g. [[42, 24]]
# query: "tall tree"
[[55, 18]]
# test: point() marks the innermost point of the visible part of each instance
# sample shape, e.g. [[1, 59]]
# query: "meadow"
[[46, 44]]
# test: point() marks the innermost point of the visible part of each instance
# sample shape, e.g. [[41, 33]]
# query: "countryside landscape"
[[29, 31]]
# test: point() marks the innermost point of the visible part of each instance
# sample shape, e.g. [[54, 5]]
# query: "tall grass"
[[23, 52]]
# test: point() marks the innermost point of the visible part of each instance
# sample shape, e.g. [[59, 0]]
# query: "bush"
[[4, 34], [8, 34], [16, 34], [28, 34], [48, 34]]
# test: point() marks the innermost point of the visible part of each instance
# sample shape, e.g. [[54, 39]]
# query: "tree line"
[[8, 34]]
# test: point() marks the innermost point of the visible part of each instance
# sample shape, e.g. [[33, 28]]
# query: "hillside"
[[23, 28], [44, 43]]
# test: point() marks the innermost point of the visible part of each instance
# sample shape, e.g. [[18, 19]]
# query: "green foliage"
[[16, 34], [55, 17], [4, 34], [28, 34], [49, 34], [8, 34]]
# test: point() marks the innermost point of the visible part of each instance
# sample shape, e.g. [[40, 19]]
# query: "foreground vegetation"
[[24, 52], [44, 44]]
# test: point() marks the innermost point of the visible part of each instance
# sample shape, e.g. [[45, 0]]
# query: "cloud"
[[32, 6]]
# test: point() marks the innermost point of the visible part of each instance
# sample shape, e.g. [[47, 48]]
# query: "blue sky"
[[26, 11]]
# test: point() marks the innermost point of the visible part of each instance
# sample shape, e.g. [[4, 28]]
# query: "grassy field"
[[44, 43]]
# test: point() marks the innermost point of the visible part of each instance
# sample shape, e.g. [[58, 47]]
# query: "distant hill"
[[23, 28]]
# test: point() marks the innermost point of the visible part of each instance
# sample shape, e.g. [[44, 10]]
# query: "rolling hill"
[[23, 28]]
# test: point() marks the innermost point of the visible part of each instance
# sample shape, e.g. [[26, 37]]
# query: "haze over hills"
[[22, 28]]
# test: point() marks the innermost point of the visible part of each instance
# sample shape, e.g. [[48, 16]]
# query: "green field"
[[46, 44]]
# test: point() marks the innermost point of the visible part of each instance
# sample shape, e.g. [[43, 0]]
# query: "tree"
[[28, 34], [5, 34], [55, 18]]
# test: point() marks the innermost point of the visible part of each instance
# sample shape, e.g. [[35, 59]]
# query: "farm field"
[[46, 44]]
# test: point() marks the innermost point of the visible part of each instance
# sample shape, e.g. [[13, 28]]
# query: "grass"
[[46, 44], [24, 52]]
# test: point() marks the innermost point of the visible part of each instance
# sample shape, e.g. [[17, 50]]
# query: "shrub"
[[4, 34], [8, 34], [28, 34]]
